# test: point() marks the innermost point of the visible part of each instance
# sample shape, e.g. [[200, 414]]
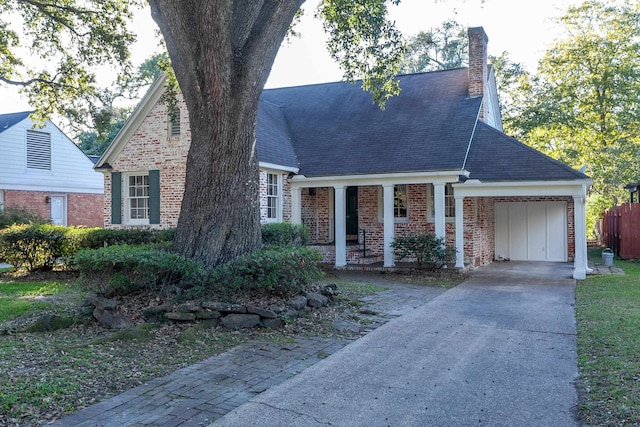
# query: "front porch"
[[348, 216]]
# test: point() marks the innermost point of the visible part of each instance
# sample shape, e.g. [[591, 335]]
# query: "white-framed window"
[[400, 203], [449, 203], [38, 150], [136, 193], [274, 198], [174, 123], [1, 201]]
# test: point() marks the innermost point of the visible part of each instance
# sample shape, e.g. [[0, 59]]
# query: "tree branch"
[[28, 82], [41, 5]]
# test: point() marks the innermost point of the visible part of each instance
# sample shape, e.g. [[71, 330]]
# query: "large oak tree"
[[222, 53]]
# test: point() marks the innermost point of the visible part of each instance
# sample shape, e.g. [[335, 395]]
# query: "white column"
[[389, 224], [580, 267], [438, 215], [459, 232], [296, 205], [341, 226]]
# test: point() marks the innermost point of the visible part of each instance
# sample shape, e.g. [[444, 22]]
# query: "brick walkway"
[[198, 394]]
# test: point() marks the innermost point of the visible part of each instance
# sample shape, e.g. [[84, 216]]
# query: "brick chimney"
[[478, 64]]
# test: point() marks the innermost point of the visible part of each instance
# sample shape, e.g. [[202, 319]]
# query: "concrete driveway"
[[499, 350]]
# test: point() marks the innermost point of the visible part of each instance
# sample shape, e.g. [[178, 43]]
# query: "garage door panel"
[[556, 226], [531, 231], [502, 230], [517, 231], [536, 237]]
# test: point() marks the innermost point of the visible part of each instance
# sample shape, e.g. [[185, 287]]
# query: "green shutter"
[[116, 197], [154, 197]]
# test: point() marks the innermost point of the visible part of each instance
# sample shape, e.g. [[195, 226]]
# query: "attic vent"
[[174, 123], [38, 150]]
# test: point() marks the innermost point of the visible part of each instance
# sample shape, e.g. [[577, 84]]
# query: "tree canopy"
[[447, 46], [582, 106], [52, 49], [441, 48]]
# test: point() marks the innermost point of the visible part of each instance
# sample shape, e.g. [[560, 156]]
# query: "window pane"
[[449, 201], [400, 201], [138, 197], [273, 199]]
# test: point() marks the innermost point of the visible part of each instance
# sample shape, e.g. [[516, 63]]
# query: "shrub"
[[19, 215], [281, 271], [123, 269], [35, 246], [427, 250], [99, 237], [284, 234]]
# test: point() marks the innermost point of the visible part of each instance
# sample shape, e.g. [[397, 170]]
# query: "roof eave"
[[133, 122]]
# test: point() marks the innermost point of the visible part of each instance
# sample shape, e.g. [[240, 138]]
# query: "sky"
[[523, 28]]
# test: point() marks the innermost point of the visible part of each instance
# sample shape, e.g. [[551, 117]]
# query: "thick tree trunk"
[[222, 52]]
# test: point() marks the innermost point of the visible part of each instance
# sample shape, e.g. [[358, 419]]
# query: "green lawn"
[[19, 298], [608, 315]]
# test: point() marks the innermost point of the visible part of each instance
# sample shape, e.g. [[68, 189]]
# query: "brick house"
[[42, 170], [435, 159]]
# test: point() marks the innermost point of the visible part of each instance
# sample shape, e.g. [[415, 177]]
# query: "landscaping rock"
[[224, 307], [298, 302], [111, 319], [188, 307], [180, 316], [261, 312], [291, 314], [102, 303], [49, 323], [316, 300], [240, 321], [156, 310], [330, 290], [273, 323], [206, 315]]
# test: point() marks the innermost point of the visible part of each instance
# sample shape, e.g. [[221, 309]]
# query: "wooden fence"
[[620, 230]]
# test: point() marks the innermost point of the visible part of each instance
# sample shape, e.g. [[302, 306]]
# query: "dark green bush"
[[99, 237], [427, 250], [284, 234], [281, 271], [17, 215], [123, 269], [35, 246]]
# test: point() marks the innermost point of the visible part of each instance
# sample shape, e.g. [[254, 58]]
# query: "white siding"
[[71, 171]]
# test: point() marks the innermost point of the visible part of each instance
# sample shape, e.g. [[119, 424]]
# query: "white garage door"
[[532, 231]]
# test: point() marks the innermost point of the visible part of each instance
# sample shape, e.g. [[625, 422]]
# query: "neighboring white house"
[[42, 170]]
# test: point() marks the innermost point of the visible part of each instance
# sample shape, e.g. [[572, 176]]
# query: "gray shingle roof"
[[335, 129], [274, 143], [8, 120], [494, 156]]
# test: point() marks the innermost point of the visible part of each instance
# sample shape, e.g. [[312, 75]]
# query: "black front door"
[[352, 214]]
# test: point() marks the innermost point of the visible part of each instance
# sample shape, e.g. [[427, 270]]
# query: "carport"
[[530, 223]]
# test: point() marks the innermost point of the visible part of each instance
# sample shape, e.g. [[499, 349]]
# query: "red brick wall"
[[315, 214], [85, 209], [34, 201], [82, 208]]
